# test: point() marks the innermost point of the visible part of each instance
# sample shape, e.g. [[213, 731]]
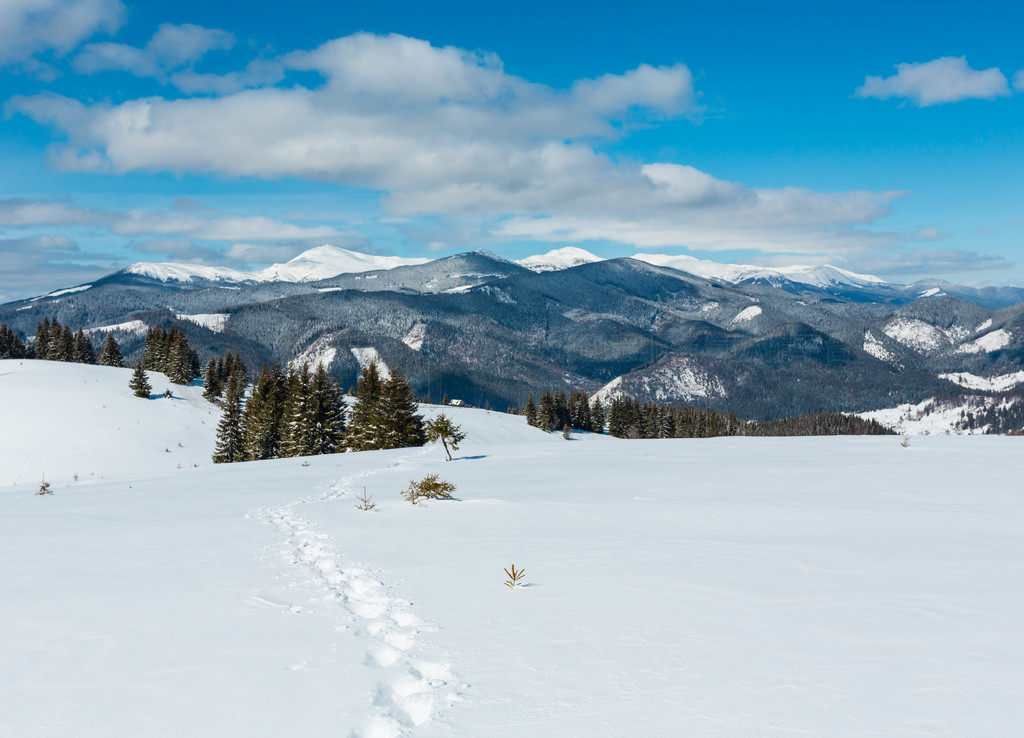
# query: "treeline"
[[556, 411], [303, 413], [55, 341], [627, 418]]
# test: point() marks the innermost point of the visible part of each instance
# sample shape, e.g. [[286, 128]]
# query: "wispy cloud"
[[39, 263], [1018, 81], [205, 225], [442, 131], [918, 263], [172, 48], [944, 80]]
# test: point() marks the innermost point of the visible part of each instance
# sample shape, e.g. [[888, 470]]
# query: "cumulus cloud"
[[173, 47], [944, 80], [30, 28], [442, 131]]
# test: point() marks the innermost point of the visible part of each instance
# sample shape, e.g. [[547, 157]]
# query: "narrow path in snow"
[[410, 690]]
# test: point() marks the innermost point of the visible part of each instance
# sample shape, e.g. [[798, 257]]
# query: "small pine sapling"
[[44, 488], [566, 432], [906, 442], [430, 488], [444, 430], [515, 577], [366, 502]]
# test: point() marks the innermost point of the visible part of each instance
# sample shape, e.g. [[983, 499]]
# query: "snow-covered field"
[[724, 587]]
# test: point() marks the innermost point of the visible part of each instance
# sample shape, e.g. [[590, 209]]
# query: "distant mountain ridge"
[[484, 329]]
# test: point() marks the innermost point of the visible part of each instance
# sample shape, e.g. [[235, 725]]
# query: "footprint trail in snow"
[[410, 691]]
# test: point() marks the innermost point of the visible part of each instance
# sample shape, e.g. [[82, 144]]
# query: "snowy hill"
[[564, 258], [315, 264], [735, 586], [815, 276], [81, 419]]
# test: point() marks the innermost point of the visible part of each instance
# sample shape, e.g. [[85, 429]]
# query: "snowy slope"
[[66, 419], [724, 587], [315, 264], [817, 276]]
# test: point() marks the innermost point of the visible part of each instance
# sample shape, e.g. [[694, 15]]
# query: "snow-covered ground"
[[723, 587]]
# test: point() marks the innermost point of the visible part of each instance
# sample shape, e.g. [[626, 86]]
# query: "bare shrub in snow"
[[366, 503], [515, 577]]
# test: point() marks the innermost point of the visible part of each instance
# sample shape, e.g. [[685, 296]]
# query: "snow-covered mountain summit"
[[318, 263], [563, 258], [817, 276]]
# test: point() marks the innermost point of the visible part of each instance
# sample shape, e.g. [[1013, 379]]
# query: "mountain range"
[[760, 342]]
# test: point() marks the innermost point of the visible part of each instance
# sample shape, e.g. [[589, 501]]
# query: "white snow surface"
[[415, 337], [558, 259], [673, 379], [724, 587], [998, 383], [317, 263], [988, 343], [130, 326], [875, 348], [747, 314], [369, 354], [933, 292], [320, 352], [916, 334], [67, 291], [216, 322], [64, 419], [817, 276]]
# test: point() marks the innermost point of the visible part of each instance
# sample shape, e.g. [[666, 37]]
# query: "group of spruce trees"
[[55, 341], [168, 351], [303, 413], [558, 412], [627, 418]]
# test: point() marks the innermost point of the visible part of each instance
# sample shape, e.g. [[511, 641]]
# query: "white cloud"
[[943, 80], [447, 132], [171, 48], [1018, 81], [209, 226], [29, 28], [929, 234]]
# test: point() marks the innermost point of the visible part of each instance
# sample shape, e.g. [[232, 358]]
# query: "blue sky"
[[886, 140]]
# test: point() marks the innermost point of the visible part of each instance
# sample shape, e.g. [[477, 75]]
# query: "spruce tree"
[[325, 414], [110, 354], [531, 411], [364, 420], [401, 424], [212, 386], [139, 383], [230, 431], [82, 351], [597, 416], [263, 414], [296, 437], [11, 346], [41, 344]]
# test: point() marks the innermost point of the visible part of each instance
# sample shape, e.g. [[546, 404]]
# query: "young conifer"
[[139, 383], [296, 435], [325, 414], [230, 430]]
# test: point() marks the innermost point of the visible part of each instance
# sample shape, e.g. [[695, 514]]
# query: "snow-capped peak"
[[563, 258], [317, 263], [818, 276]]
